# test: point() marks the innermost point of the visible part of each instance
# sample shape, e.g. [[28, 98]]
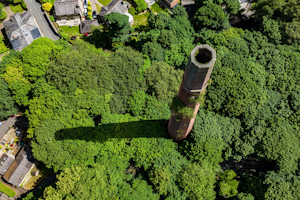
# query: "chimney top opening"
[[203, 56]]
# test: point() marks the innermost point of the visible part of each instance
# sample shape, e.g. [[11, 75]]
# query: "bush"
[[2, 12], [47, 6], [89, 8], [89, 3], [89, 13], [141, 5], [132, 10], [23, 4], [52, 18]]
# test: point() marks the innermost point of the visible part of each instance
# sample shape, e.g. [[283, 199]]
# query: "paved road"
[[6, 124], [36, 10]]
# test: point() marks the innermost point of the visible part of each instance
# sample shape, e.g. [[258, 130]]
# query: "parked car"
[[94, 14], [0, 123], [85, 4], [18, 132]]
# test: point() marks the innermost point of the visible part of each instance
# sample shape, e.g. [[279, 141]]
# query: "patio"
[[71, 22]]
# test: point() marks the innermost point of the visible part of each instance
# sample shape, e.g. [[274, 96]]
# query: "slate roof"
[[5, 162], [66, 7], [114, 6], [85, 26], [18, 170], [21, 30]]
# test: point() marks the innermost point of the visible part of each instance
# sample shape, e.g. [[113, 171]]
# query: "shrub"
[[132, 10], [141, 5], [89, 8], [47, 6], [23, 4], [52, 18], [89, 13], [2, 12], [89, 3]]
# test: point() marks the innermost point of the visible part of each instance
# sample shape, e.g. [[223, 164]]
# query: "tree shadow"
[[101, 133]]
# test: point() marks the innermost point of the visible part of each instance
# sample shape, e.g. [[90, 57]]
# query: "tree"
[[211, 16], [141, 5], [282, 186], [47, 6], [7, 106], [119, 28], [198, 181], [2, 12]]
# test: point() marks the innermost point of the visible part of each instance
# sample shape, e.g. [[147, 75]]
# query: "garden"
[[6, 190], [18, 7], [156, 8], [70, 29], [104, 2]]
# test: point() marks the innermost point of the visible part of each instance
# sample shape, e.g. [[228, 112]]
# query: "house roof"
[[66, 7], [18, 170], [5, 162], [21, 30], [114, 6], [85, 26]]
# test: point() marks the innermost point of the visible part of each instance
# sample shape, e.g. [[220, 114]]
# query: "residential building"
[[170, 3], [116, 6], [21, 29], [68, 12], [85, 26], [66, 9], [20, 168], [5, 162]]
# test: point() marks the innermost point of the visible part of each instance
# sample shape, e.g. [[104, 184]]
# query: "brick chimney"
[[194, 83]]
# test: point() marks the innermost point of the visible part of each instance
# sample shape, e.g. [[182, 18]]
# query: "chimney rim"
[[196, 49]]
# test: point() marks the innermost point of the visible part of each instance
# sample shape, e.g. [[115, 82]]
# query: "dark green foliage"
[[170, 38], [231, 6], [163, 81], [7, 106], [198, 181], [286, 12], [126, 65], [140, 5], [211, 16], [119, 27], [281, 186], [212, 136]]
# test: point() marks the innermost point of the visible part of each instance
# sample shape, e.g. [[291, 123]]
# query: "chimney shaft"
[[196, 76]]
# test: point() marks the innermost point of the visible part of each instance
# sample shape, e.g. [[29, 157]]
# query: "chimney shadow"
[[103, 132]]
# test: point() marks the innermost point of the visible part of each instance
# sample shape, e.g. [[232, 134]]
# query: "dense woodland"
[[98, 109]]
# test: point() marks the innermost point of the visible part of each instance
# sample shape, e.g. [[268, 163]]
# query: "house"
[[66, 9], [5, 162], [116, 6], [20, 168], [85, 26], [21, 29], [170, 3]]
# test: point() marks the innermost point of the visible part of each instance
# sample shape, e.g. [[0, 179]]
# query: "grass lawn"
[[6, 190], [3, 48], [140, 20], [16, 8], [156, 8], [71, 30], [98, 8], [104, 2]]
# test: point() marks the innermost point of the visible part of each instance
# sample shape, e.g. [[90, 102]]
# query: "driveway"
[[36, 10], [6, 124]]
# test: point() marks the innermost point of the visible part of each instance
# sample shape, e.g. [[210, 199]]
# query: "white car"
[[0, 123]]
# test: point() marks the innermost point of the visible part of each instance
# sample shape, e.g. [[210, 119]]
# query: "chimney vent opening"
[[203, 56]]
